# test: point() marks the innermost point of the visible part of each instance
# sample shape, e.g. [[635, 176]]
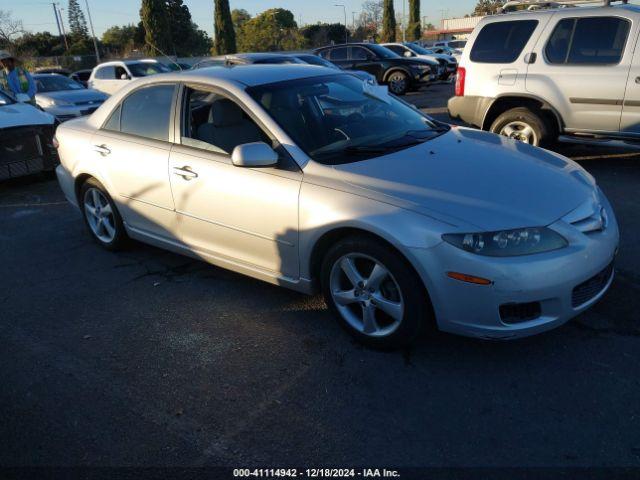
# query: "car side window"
[[340, 53], [588, 41], [106, 73], [359, 53], [502, 42], [113, 124], [147, 112], [214, 122]]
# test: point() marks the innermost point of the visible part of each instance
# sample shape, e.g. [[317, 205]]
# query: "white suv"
[[110, 77], [535, 75]]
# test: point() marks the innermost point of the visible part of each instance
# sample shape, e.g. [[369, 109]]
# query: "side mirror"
[[124, 76], [408, 54], [23, 98], [254, 155]]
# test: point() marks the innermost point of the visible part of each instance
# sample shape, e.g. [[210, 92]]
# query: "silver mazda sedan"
[[311, 179]]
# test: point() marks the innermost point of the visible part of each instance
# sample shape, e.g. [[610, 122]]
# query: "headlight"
[[50, 102], [508, 243]]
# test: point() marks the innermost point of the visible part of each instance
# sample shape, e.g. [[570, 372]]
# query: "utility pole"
[[64, 33], [93, 33], [346, 29], [55, 12]]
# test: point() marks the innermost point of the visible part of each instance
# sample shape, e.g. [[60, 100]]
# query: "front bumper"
[[547, 280], [27, 150]]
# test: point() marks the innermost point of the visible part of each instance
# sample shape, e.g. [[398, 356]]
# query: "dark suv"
[[389, 68]]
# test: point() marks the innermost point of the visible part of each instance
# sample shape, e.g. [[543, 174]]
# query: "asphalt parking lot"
[[146, 358]]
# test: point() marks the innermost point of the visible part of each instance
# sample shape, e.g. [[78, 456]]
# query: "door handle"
[[638, 80], [102, 150], [185, 172]]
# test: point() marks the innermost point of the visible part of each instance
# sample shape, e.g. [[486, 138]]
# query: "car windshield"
[[382, 52], [144, 69], [339, 119], [5, 99], [277, 60], [56, 83]]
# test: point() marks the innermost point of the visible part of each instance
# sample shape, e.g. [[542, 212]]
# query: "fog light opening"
[[463, 277]]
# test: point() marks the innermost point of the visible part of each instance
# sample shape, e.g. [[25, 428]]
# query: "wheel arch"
[[506, 102], [393, 70]]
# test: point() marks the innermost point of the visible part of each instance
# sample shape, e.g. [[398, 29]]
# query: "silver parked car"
[[310, 178], [535, 75], [65, 98]]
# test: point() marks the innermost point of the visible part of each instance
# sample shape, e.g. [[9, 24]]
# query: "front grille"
[[520, 312], [590, 217], [588, 290], [26, 150]]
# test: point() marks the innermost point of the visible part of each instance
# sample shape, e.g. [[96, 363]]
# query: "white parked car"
[[310, 178], [26, 139], [110, 77], [65, 98]]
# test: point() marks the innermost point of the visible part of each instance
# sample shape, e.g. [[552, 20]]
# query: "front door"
[[241, 215]]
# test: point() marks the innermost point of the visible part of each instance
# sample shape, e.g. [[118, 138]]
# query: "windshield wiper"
[[363, 150]]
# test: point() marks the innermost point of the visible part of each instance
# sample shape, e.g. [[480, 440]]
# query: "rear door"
[[132, 148], [365, 60], [630, 121], [582, 67]]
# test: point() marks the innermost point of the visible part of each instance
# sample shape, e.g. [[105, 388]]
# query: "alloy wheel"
[[397, 83], [366, 295], [520, 131], [99, 215]]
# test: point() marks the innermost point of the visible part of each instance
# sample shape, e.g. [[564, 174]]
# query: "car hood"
[[468, 177], [74, 96], [23, 114]]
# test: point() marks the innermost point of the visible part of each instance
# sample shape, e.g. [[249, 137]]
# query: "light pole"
[[346, 30], [404, 19]]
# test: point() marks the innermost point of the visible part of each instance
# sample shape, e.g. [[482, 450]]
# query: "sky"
[[37, 15]]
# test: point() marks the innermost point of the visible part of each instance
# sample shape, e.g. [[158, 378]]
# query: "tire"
[[101, 216], [398, 83], [397, 310], [523, 124]]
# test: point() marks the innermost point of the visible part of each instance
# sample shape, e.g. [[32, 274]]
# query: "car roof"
[[127, 62], [254, 75], [572, 11], [257, 56], [46, 75]]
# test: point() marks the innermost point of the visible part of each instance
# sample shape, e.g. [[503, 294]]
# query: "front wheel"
[[374, 293], [525, 126], [398, 83]]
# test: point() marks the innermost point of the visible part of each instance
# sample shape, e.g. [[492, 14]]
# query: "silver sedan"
[[311, 179], [65, 98]]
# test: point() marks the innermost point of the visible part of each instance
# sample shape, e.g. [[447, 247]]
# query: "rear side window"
[[588, 41], [339, 53], [502, 42], [147, 112]]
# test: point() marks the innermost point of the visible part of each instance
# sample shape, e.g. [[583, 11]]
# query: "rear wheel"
[[398, 83], [101, 216], [374, 293], [526, 126]]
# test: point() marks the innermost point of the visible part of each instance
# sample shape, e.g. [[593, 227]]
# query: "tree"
[[371, 16], [41, 44], [122, 40], [272, 30], [156, 26], [239, 17], [225, 35], [388, 22], [487, 7], [414, 29], [10, 29], [77, 22], [321, 34]]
